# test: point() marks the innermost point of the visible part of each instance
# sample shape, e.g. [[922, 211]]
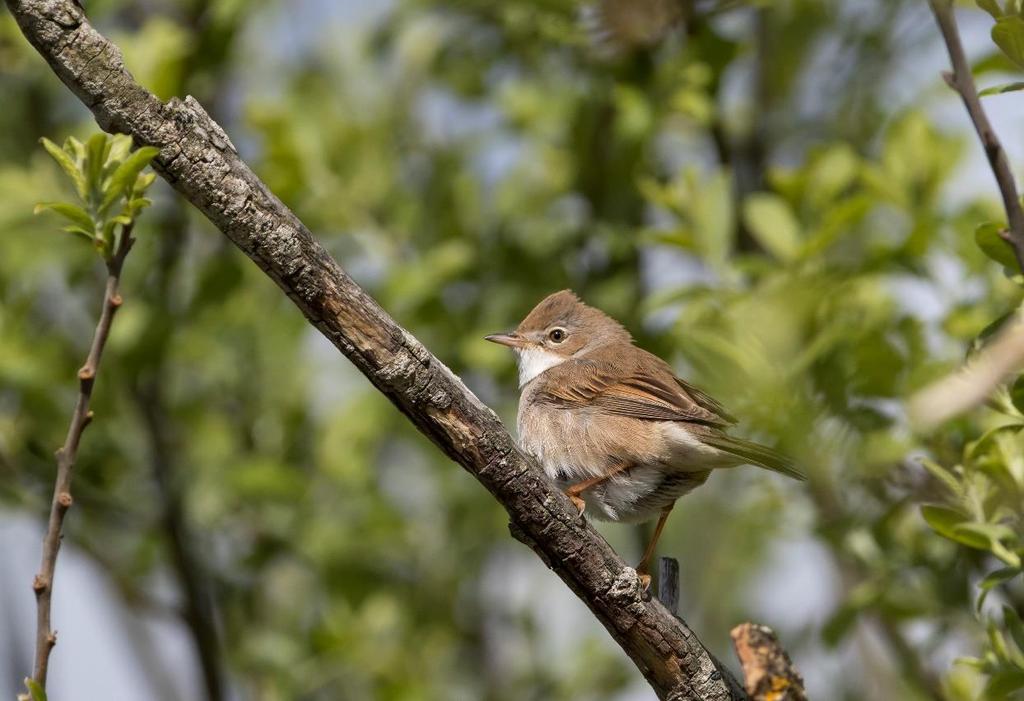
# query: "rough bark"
[[198, 160], [767, 670]]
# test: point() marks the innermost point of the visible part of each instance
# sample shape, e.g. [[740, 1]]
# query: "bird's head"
[[557, 329]]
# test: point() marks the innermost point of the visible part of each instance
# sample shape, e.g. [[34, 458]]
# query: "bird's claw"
[[578, 502], [645, 580]]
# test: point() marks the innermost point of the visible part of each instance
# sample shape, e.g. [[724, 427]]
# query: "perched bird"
[[611, 424]]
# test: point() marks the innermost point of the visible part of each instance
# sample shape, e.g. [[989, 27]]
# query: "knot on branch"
[[627, 590], [86, 376]]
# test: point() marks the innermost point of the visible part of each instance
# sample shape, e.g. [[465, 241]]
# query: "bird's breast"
[[561, 441], [574, 445]]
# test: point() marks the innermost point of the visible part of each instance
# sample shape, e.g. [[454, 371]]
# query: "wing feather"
[[633, 383]]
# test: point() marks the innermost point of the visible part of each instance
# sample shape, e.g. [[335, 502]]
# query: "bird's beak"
[[507, 339]]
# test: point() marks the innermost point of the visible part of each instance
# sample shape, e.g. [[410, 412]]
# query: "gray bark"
[[199, 161]]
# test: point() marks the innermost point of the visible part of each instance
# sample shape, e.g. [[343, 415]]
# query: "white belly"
[[570, 453]]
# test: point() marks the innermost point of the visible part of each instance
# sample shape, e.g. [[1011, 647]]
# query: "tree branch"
[[42, 585], [962, 81], [199, 160], [767, 669]]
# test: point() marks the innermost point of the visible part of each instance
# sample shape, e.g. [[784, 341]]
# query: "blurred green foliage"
[[742, 187]]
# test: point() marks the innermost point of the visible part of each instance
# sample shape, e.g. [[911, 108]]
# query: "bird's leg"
[[643, 568], [574, 491]]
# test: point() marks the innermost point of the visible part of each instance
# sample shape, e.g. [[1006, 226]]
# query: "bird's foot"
[[578, 502], [645, 579]]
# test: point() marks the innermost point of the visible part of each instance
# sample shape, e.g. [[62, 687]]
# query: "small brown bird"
[[611, 424]]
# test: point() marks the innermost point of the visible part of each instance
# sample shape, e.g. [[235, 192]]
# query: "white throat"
[[534, 361]]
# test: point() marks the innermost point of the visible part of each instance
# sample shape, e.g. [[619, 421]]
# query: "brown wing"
[[633, 383]]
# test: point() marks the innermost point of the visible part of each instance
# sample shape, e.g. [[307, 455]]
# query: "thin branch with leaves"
[[961, 80], [110, 186]]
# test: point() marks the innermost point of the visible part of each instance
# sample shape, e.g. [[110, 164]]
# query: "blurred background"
[[779, 200]]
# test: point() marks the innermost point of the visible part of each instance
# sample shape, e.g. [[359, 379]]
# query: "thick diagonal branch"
[[962, 81], [200, 162], [42, 585]]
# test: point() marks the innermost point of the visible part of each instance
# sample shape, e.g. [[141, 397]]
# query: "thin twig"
[[970, 385], [46, 637], [962, 81]]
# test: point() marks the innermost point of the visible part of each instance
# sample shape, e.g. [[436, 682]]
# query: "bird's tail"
[[755, 454]]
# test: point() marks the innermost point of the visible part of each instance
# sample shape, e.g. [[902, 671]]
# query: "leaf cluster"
[[109, 184]]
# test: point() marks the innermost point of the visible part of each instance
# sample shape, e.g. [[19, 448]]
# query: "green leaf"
[[1003, 683], [1008, 34], [75, 149], [965, 535], [993, 580], [991, 7], [108, 233], [942, 519], [139, 203], [992, 329], [773, 223], [79, 231], [991, 242], [1000, 576], [67, 164], [38, 693], [120, 147], [1000, 89], [942, 475], [96, 150], [982, 536], [1017, 393], [996, 641], [1014, 625], [125, 177], [973, 449], [143, 182], [69, 211], [1005, 554], [994, 531], [972, 662], [988, 536]]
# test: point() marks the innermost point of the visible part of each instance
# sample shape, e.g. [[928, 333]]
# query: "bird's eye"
[[557, 335]]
